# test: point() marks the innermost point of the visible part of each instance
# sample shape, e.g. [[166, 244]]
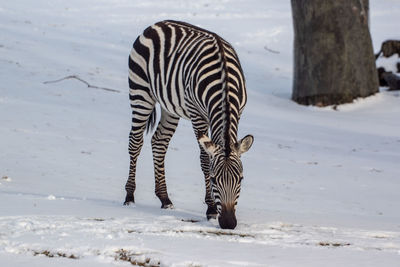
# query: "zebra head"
[[226, 174]]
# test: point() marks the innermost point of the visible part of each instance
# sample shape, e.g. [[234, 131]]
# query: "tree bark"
[[334, 61]]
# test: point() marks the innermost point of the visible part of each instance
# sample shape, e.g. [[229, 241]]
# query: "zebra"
[[196, 75]]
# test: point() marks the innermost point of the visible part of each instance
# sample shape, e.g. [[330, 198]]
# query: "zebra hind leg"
[[159, 143], [140, 117]]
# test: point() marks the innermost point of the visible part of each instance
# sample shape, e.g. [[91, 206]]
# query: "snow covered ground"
[[321, 186]]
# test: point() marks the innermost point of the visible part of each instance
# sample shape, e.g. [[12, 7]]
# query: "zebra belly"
[[181, 112], [176, 104]]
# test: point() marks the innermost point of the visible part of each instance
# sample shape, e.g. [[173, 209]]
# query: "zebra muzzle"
[[227, 217]]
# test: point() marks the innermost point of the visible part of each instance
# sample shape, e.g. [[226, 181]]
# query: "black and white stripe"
[[194, 74]]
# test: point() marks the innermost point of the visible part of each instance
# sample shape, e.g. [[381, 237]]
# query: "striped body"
[[193, 74]]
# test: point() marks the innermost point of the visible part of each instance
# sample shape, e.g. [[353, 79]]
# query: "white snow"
[[321, 186], [51, 197]]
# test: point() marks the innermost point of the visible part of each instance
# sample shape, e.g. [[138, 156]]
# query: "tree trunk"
[[334, 61]]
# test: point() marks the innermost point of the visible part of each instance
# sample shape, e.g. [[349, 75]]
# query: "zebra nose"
[[227, 219]]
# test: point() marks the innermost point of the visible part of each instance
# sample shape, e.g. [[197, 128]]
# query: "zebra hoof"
[[212, 213], [169, 206], [212, 216], [129, 199], [166, 204]]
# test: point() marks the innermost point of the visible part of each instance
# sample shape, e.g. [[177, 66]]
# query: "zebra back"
[[190, 71]]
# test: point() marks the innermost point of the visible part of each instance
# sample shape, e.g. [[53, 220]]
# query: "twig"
[[85, 82], [270, 50]]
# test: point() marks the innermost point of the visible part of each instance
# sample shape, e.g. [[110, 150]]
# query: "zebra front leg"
[[200, 128], [159, 143], [212, 211]]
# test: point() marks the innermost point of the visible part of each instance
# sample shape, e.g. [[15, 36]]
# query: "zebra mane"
[[226, 108]]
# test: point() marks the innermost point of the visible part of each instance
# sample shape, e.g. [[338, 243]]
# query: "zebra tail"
[[151, 122]]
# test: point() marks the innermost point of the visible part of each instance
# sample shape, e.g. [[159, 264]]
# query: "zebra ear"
[[208, 145], [244, 144]]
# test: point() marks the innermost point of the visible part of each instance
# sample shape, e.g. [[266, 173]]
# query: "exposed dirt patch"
[[333, 244], [190, 220], [137, 259], [221, 233], [98, 219], [51, 254], [201, 232]]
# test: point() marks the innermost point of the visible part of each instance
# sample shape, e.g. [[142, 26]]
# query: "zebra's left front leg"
[[159, 143]]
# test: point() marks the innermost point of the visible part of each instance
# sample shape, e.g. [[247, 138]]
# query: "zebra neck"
[[225, 104], [226, 143]]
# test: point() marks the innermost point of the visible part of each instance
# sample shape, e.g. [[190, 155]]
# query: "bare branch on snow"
[[85, 82], [270, 50]]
